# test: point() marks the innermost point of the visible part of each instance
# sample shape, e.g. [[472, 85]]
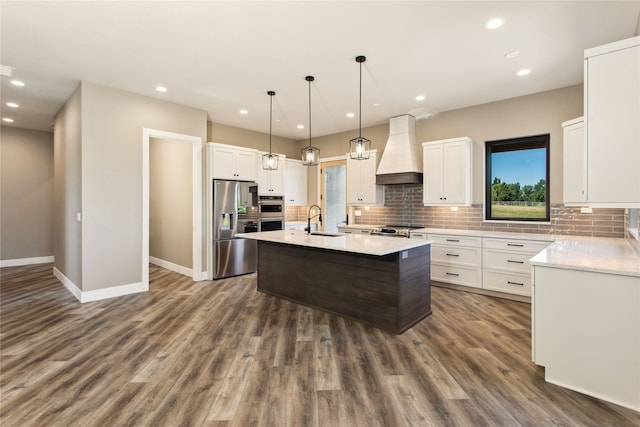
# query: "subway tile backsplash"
[[403, 205]]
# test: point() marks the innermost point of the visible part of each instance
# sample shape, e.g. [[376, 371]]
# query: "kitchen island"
[[381, 281]]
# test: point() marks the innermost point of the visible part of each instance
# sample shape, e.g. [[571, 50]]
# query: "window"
[[517, 179]]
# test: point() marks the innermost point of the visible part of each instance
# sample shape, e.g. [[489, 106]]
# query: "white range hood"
[[401, 161]]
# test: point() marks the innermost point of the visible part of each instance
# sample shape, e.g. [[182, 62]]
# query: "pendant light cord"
[[270, 120], [360, 59], [309, 80], [360, 106]]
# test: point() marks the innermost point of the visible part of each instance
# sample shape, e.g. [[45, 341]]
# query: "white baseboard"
[[171, 266], [26, 261], [99, 294]]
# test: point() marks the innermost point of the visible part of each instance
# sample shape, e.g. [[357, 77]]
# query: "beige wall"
[[110, 123], [526, 115], [231, 135], [67, 160], [171, 201], [26, 193]]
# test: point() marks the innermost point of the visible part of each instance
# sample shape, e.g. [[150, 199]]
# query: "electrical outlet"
[[586, 210], [454, 209], [78, 217], [358, 212]]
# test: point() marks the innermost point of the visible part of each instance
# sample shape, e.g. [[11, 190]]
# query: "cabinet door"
[[432, 159], [574, 164], [271, 182], [245, 165], [296, 183], [368, 185], [612, 105], [277, 179], [223, 163], [456, 173]]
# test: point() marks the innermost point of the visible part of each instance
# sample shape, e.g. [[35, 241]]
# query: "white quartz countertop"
[[491, 234], [355, 243], [360, 226], [597, 254]]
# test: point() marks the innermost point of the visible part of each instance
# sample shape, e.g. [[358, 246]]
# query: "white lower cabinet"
[[506, 266], [456, 259], [353, 230], [495, 264]]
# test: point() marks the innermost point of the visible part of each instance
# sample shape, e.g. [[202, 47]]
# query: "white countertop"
[[355, 243], [597, 254], [491, 234]]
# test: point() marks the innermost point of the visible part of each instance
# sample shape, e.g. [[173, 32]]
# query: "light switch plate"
[[358, 212], [454, 209], [78, 217], [586, 210]]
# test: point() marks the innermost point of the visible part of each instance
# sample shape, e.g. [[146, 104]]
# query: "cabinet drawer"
[[532, 246], [452, 255], [506, 260], [466, 276], [513, 283], [453, 240]]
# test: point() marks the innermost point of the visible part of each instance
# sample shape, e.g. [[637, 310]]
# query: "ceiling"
[[224, 56]]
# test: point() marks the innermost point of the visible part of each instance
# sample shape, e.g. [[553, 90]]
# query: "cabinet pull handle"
[[515, 262], [453, 240], [452, 274], [516, 245], [453, 255], [515, 283]]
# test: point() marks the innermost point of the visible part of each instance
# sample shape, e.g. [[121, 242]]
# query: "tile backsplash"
[[403, 205]]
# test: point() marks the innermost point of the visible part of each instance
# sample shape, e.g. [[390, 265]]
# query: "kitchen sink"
[[326, 234]]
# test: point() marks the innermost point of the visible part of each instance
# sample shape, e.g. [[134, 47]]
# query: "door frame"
[[320, 180], [196, 144]]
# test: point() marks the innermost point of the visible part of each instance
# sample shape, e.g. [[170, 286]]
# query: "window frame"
[[517, 144]]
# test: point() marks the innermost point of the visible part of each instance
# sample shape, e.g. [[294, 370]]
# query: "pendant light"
[[360, 147], [310, 154], [270, 161]]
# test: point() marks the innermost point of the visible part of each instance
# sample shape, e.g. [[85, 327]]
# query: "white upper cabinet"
[[574, 163], [271, 182], [447, 172], [230, 162], [296, 178], [612, 123], [361, 181]]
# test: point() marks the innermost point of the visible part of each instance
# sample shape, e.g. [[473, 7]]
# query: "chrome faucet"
[[309, 217]]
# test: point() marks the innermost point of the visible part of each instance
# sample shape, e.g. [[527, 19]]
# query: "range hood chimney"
[[401, 161]]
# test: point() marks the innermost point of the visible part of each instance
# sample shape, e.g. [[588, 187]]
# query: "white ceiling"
[[224, 56]]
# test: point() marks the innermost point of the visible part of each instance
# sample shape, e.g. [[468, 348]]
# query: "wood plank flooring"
[[221, 354]]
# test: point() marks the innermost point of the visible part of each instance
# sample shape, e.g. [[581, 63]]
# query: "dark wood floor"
[[220, 353]]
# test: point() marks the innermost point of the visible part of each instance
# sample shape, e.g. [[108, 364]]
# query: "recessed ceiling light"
[[523, 72], [161, 88], [300, 126], [494, 23], [244, 111], [350, 115], [17, 83], [12, 105], [7, 119], [420, 98], [377, 104], [512, 54]]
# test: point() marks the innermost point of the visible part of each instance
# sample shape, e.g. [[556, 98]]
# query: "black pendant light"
[[270, 161], [360, 147], [310, 154]]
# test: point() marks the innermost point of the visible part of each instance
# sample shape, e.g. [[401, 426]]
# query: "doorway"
[[333, 193], [149, 135]]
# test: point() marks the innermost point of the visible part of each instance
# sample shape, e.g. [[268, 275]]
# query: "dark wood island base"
[[391, 292]]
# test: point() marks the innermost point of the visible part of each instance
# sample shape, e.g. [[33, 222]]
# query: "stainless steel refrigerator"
[[232, 256]]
